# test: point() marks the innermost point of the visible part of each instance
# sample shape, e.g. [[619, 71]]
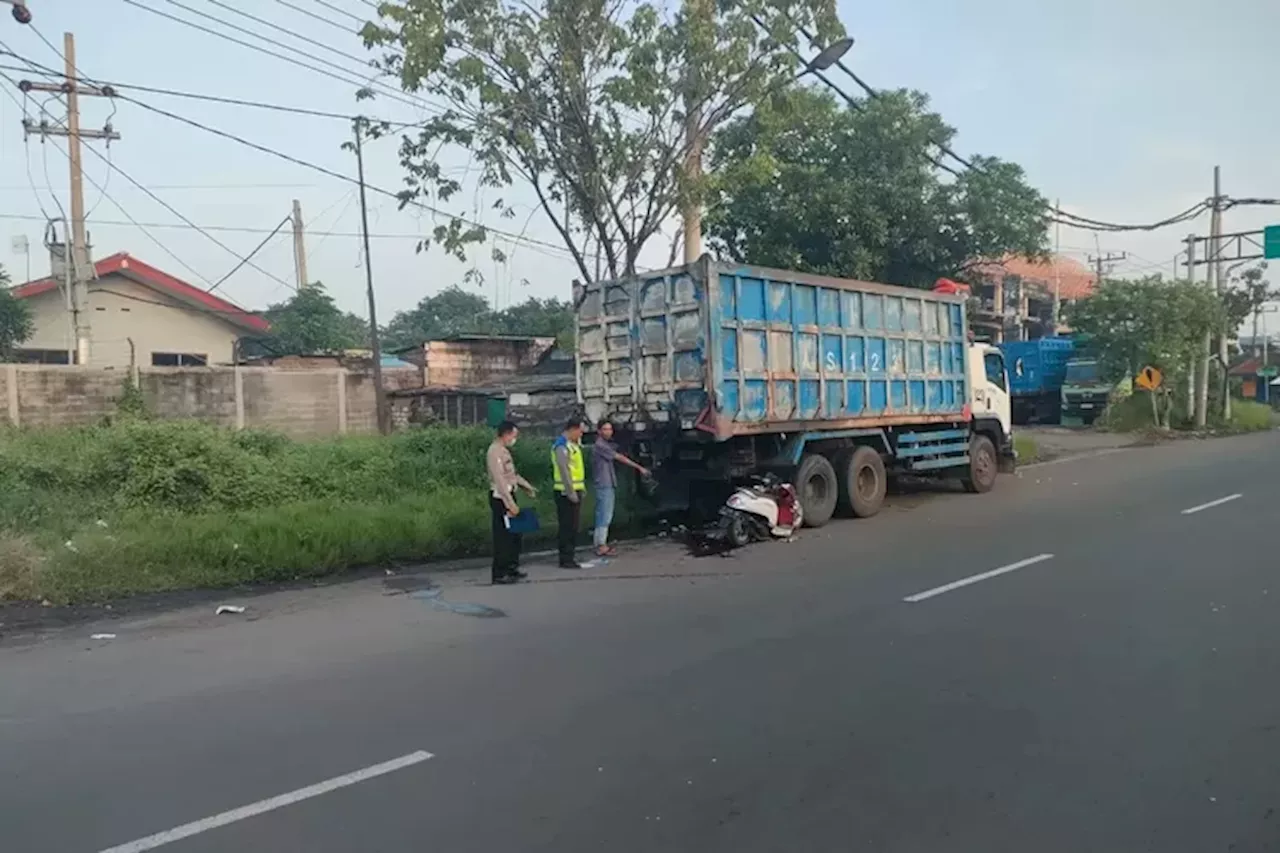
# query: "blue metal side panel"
[[765, 346], [1037, 367]]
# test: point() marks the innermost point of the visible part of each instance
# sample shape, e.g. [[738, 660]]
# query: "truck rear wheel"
[[816, 484], [863, 481], [984, 467]]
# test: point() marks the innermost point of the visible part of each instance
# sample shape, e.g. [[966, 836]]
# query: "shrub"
[[152, 505]]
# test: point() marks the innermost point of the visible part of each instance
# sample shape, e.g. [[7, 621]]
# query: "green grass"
[[142, 506], [1251, 416], [1027, 449]]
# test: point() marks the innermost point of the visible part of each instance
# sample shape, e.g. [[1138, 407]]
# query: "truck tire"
[[817, 488], [984, 466], [863, 481]]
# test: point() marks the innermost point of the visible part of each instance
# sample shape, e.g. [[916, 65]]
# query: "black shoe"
[[506, 580], [519, 575], [573, 565]]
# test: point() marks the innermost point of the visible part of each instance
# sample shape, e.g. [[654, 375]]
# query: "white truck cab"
[[989, 401]]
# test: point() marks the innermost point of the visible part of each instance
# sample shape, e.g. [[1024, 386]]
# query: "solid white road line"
[[1003, 570], [262, 806], [1211, 504]]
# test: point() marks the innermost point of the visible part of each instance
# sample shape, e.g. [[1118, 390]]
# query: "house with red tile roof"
[[139, 312]]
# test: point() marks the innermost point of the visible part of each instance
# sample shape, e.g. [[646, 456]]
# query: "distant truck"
[[716, 373], [1037, 370], [1087, 391]]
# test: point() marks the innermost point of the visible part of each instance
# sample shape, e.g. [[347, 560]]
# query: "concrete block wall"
[[300, 403]]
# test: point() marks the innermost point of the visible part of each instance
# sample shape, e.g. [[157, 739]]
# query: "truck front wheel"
[[863, 481], [984, 467], [816, 484]]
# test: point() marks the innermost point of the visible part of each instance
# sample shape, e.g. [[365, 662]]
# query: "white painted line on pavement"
[[160, 839], [1211, 504], [1003, 570]]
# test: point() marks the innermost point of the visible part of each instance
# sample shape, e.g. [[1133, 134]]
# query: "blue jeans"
[[606, 496]]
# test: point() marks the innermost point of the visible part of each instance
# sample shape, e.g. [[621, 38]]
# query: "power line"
[[217, 99], [330, 21], [115, 167], [340, 176], [246, 258], [230, 229], [388, 91], [340, 11], [287, 31], [147, 233]]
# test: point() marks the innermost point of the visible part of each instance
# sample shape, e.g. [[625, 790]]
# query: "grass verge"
[[1027, 449], [138, 507]]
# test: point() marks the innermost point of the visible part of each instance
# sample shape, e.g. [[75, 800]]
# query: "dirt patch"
[[1056, 442]]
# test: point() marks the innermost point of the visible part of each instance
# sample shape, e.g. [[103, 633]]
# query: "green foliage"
[[455, 311], [131, 403], [16, 325], [1247, 294], [310, 322], [1149, 322], [1250, 416], [807, 183], [154, 505], [1027, 449], [584, 101]]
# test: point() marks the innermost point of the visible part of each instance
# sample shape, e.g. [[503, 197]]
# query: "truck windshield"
[[1079, 372]]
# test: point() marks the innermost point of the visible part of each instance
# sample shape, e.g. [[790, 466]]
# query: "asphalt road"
[[1114, 688]]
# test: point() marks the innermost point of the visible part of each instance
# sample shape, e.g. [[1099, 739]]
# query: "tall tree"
[[809, 183], [1245, 296], [583, 100], [16, 324], [452, 311], [310, 322], [1152, 322]]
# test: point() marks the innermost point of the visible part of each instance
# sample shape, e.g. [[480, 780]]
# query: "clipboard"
[[524, 522]]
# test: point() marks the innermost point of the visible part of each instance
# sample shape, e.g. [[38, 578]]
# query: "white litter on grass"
[[103, 637], [71, 546], [229, 608], [100, 523]]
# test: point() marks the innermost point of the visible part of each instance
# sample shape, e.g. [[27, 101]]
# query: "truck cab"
[[1086, 391], [989, 401]]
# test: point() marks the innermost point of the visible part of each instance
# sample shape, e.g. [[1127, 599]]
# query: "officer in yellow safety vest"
[[570, 474]]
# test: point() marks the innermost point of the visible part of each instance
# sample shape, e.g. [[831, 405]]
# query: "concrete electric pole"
[[1193, 372], [78, 259], [299, 246], [380, 395], [1224, 358], [1099, 261]]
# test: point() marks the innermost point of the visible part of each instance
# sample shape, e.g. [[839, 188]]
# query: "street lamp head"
[[830, 55]]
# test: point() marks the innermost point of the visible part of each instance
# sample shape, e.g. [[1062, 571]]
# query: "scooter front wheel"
[[736, 530]]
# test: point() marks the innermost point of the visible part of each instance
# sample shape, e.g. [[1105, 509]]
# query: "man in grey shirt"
[[604, 479]]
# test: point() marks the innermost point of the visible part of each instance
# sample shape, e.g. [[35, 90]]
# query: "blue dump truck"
[[1036, 372], [715, 373]]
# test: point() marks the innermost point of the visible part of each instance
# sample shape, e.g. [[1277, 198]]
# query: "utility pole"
[[1057, 265], [1191, 375], [1109, 258], [1224, 357], [299, 246], [78, 253], [384, 421]]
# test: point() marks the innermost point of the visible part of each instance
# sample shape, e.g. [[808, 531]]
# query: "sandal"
[[607, 551]]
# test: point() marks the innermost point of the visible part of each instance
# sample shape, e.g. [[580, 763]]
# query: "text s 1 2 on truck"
[[719, 372]]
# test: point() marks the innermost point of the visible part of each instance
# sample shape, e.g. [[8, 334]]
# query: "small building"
[[137, 314], [462, 361], [540, 398]]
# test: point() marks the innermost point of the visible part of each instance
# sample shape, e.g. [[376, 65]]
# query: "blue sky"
[[1120, 110]]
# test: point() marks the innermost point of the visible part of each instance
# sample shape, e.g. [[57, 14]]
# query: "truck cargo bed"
[[736, 350]]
